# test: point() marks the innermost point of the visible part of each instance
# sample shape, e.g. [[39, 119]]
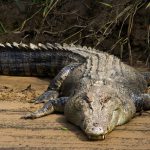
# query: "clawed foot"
[[46, 96], [48, 108], [29, 116], [45, 110]]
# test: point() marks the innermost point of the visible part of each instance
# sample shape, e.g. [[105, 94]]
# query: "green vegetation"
[[148, 5], [2, 28], [63, 128], [105, 4]]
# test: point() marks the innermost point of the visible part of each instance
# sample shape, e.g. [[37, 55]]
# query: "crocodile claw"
[[29, 116], [45, 110]]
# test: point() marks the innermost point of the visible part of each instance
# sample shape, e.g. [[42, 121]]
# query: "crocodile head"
[[97, 111], [101, 115]]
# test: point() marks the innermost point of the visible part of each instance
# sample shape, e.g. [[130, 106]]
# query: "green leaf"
[[63, 128]]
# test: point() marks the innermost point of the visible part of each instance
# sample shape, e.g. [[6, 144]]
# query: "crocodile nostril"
[[94, 129], [97, 130]]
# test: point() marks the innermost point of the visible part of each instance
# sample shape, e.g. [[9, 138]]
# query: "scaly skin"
[[97, 91]]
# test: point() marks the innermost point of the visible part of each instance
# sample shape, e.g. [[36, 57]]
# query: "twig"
[[54, 33], [130, 53], [72, 35], [49, 7], [25, 21]]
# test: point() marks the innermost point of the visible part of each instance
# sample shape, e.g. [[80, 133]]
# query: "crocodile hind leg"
[[52, 91], [48, 108]]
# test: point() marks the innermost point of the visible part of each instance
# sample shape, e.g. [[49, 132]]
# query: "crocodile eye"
[[85, 97], [116, 109]]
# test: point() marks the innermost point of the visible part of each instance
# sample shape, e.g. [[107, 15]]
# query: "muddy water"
[[53, 131]]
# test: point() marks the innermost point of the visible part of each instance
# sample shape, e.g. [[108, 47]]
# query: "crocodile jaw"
[[99, 137]]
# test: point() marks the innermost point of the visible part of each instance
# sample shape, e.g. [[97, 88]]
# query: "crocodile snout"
[[95, 133], [97, 130]]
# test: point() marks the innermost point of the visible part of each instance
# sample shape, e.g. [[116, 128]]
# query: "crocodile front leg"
[[146, 101], [53, 90], [49, 107], [142, 102]]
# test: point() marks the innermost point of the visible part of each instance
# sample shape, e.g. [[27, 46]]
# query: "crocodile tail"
[[36, 60]]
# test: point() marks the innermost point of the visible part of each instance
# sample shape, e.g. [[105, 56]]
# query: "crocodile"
[[95, 90]]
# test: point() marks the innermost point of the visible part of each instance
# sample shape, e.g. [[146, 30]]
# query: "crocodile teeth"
[[103, 137], [9, 45], [2, 45], [16, 44], [42, 46], [33, 46]]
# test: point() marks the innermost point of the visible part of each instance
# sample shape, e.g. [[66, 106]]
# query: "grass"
[[46, 6], [148, 5], [104, 4], [49, 5], [128, 13], [2, 28]]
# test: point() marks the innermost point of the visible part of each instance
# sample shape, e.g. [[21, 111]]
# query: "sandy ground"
[[53, 131]]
